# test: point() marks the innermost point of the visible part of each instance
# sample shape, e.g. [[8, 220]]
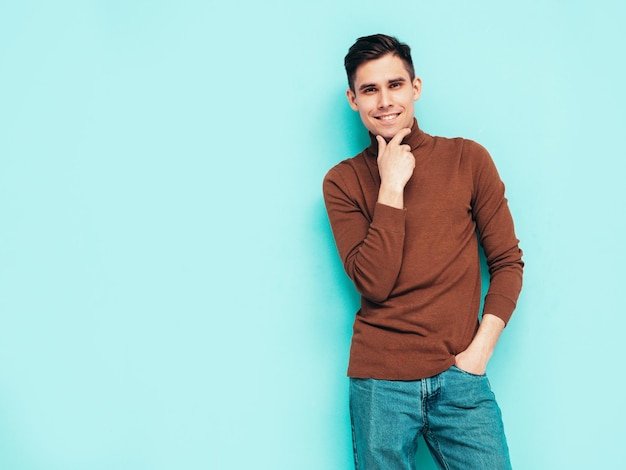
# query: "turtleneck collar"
[[414, 139]]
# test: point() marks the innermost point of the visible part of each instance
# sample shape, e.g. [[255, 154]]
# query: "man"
[[404, 214]]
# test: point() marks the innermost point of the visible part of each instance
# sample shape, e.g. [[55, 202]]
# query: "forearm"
[[374, 261], [371, 243], [497, 237], [475, 358], [370, 240], [391, 197]]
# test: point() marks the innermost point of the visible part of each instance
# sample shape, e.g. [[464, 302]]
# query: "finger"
[[382, 145], [402, 133]]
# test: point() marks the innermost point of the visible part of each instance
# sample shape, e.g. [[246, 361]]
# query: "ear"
[[352, 99], [417, 88]]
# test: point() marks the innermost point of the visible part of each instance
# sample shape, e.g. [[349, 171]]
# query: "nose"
[[384, 100]]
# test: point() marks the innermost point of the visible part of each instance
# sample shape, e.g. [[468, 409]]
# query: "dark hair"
[[374, 47]]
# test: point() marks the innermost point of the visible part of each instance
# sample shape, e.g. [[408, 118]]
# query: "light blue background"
[[170, 294]]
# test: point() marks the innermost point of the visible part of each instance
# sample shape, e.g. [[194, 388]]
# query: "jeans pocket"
[[462, 371]]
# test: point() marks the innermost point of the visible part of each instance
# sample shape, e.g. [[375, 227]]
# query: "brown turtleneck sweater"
[[417, 269]]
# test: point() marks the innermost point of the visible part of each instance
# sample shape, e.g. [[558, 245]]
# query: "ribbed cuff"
[[500, 306], [389, 218]]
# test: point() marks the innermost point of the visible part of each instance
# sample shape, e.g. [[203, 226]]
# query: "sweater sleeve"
[[371, 249], [497, 236]]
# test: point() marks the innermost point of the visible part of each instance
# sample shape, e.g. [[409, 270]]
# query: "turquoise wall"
[[170, 294]]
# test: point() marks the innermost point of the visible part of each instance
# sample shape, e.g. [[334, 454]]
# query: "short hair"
[[374, 47]]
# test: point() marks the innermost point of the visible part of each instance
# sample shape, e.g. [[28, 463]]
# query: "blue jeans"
[[456, 413]]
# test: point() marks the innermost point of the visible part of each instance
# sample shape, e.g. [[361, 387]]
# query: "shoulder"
[[474, 149], [468, 151], [348, 170], [468, 147]]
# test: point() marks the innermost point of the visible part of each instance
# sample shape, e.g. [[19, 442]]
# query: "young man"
[[404, 214]]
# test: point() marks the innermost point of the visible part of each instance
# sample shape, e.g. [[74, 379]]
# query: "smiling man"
[[405, 214]]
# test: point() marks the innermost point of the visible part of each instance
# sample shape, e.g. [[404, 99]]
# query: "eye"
[[369, 90], [395, 85]]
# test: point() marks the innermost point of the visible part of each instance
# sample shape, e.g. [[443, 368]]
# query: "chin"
[[387, 134]]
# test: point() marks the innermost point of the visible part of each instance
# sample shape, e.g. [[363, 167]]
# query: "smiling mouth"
[[388, 117]]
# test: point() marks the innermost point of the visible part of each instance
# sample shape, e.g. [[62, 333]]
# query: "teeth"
[[387, 117]]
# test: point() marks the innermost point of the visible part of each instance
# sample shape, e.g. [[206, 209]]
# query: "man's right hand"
[[395, 166]]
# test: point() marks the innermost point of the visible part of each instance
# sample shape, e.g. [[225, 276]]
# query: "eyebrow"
[[389, 82]]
